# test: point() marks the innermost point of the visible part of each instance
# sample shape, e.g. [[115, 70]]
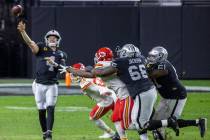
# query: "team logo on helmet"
[[157, 54], [103, 54], [128, 50]]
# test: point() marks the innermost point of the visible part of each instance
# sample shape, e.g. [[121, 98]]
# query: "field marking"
[[59, 109]]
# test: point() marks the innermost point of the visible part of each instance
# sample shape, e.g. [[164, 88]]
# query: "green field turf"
[[19, 120], [185, 82]]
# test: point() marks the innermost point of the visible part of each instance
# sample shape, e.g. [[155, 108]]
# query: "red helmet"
[[79, 66], [104, 54]]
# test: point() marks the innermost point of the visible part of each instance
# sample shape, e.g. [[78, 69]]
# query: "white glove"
[[62, 69]]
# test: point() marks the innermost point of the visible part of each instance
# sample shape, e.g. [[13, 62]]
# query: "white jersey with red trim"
[[96, 90], [112, 81]]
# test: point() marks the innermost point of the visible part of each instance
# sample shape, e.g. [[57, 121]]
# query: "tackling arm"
[[81, 73], [62, 69], [31, 44], [105, 71]]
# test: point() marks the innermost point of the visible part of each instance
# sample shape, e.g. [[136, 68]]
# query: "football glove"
[[62, 69]]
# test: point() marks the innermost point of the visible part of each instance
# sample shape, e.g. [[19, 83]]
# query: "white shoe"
[[106, 135]]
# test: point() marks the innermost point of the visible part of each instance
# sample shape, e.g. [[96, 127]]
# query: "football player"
[[173, 93], [130, 72], [95, 89], [121, 116], [122, 111], [130, 68], [45, 85]]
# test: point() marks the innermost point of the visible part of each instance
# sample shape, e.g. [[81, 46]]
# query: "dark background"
[[183, 30]]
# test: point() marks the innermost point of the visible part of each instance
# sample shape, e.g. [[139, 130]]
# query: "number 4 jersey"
[[133, 73], [45, 72]]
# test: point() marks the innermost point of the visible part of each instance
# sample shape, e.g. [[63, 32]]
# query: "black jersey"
[[169, 85], [133, 73], [45, 72]]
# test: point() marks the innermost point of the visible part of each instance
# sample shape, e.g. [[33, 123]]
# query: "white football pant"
[[45, 95]]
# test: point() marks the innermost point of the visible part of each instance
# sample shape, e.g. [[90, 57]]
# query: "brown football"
[[17, 10]]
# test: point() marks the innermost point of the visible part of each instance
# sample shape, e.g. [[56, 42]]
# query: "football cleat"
[[202, 125], [116, 136], [48, 135], [106, 135], [44, 136], [172, 123], [157, 135]]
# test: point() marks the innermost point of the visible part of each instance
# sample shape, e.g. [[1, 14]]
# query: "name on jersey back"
[[134, 60]]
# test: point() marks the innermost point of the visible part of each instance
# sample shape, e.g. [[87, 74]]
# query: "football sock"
[[155, 124], [120, 130], [184, 123], [42, 119], [50, 117], [102, 125]]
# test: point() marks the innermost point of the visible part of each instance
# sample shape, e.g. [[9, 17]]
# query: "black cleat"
[[48, 135], [116, 136], [172, 123], [202, 125], [157, 135], [44, 136]]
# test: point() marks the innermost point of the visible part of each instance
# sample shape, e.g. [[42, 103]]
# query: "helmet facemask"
[[103, 54], [157, 54], [129, 50], [49, 41]]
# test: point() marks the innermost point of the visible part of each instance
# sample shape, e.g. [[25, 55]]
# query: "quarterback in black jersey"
[[173, 93], [45, 85]]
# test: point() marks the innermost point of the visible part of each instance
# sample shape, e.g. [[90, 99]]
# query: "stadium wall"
[[184, 31]]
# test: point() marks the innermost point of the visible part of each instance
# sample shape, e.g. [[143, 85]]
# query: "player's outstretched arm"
[[105, 71], [81, 73], [32, 45]]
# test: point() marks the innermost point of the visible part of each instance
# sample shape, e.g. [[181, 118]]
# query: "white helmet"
[[128, 50], [157, 54], [52, 33]]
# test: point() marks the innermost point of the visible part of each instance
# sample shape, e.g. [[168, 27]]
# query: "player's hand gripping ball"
[[17, 10]]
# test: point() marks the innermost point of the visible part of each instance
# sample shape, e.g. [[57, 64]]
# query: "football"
[[17, 10]]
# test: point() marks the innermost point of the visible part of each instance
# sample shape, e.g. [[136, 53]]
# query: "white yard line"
[[59, 109]]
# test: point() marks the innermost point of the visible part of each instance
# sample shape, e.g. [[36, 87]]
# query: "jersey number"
[[137, 72], [51, 67]]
